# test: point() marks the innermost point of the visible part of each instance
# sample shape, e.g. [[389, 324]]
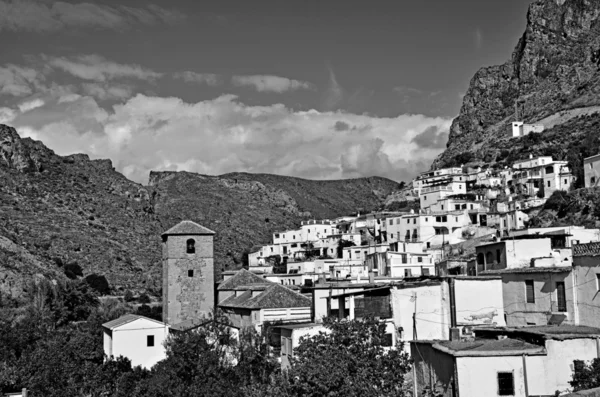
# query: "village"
[[480, 300]]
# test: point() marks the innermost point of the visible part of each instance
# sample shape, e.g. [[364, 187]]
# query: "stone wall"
[[187, 297]]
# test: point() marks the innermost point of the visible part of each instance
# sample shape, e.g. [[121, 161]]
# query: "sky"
[[308, 88]]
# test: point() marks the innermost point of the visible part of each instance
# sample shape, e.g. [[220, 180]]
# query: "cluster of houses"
[[484, 305]]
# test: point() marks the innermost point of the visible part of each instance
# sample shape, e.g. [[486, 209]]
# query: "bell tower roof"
[[188, 228]]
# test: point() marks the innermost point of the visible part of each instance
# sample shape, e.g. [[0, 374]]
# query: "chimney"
[[455, 334]]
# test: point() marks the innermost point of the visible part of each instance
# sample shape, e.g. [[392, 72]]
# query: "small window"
[[425, 272], [424, 198], [529, 291], [391, 222], [457, 207], [408, 221], [428, 244], [190, 273], [191, 246], [548, 183], [506, 384], [498, 255], [420, 259], [387, 340], [414, 221], [407, 273], [149, 340]]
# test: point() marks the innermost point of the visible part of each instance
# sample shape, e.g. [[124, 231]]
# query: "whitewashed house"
[[138, 338]]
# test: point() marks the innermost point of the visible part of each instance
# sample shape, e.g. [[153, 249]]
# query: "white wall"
[[479, 302], [478, 376], [129, 341]]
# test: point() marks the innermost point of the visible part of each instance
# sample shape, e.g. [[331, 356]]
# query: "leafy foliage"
[[586, 375]]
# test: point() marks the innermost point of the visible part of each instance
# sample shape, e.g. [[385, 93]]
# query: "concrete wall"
[[130, 341], [547, 374], [431, 305], [513, 253], [187, 297], [479, 302], [433, 369], [521, 313], [478, 376], [319, 301], [585, 276]]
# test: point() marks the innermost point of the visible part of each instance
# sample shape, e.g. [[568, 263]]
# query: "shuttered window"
[[506, 384], [529, 291]]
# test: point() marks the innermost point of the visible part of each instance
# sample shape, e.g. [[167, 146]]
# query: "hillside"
[[552, 78], [62, 210]]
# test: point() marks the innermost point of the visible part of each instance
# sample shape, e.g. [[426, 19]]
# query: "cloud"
[[40, 16], [200, 78], [7, 115], [431, 137], [223, 135], [30, 105], [18, 81], [341, 126], [267, 83], [107, 92], [96, 68]]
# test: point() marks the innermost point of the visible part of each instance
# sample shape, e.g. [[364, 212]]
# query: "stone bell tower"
[[188, 272]]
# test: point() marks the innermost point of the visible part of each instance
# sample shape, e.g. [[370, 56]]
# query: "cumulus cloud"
[[223, 135], [200, 78], [7, 115], [41, 16], [97, 68], [431, 137], [267, 83]]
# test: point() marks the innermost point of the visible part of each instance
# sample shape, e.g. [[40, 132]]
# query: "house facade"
[[591, 170], [138, 338]]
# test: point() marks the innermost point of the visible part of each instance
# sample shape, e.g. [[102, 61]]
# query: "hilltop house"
[[591, 170], [521, 129]]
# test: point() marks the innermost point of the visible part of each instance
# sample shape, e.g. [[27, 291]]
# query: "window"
[[549, 170], [424, 198], [408, 221], [190, 246], [498, 255], [456, 218], [391, 222], [414, 221], [442, 207], [420, 259], [480, 259], [190, 273], [426, 219], [407, 273], [457, 207], [561, 298], [149, 340], [529, 291], [471, 206], [489, 258], [277, 235], [425, 272], [309, 230], [565, 182], [506, 384], [404, 258], [428, 244], [548, 183], [387, 340], [593, 180]]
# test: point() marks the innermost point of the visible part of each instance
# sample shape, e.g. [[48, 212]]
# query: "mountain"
[[57, 211], [552, 78]]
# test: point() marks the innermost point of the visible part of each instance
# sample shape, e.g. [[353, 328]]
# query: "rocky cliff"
[[552, 78], [56, 211]]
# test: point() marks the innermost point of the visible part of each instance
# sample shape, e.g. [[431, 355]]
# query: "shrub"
[[72, 270], [98, 283], [144, 298]]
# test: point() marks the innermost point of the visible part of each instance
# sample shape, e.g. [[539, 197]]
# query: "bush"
[[73, 270], [144, 298], [98, 283], [128, 296]]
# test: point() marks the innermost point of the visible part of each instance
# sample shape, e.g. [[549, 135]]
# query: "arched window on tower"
[[191, 246]]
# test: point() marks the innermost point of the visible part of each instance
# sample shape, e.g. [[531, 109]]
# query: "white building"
[[527, 361], [591, 170], [431, 229], [138, 338], [534, 174], [521, 129]]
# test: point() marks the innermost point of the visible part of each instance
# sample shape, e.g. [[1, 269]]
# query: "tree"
[[350, 360], [585, 375], [99, 283], [343, 244]]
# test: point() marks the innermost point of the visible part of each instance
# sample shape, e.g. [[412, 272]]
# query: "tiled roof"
[[188, 227], [242, 277], [276, 296], [529, 270], [589, 249], [125, 319], [489, 347]]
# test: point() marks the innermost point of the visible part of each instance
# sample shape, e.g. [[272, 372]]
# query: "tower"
[[188, 272]]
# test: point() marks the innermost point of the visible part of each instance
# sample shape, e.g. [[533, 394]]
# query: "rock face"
[[553, 68], [58, 210]]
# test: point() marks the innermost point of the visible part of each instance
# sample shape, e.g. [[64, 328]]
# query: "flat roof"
[[592, 158], [529, 270], [298, 325], [556, 332], [489, 347]]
